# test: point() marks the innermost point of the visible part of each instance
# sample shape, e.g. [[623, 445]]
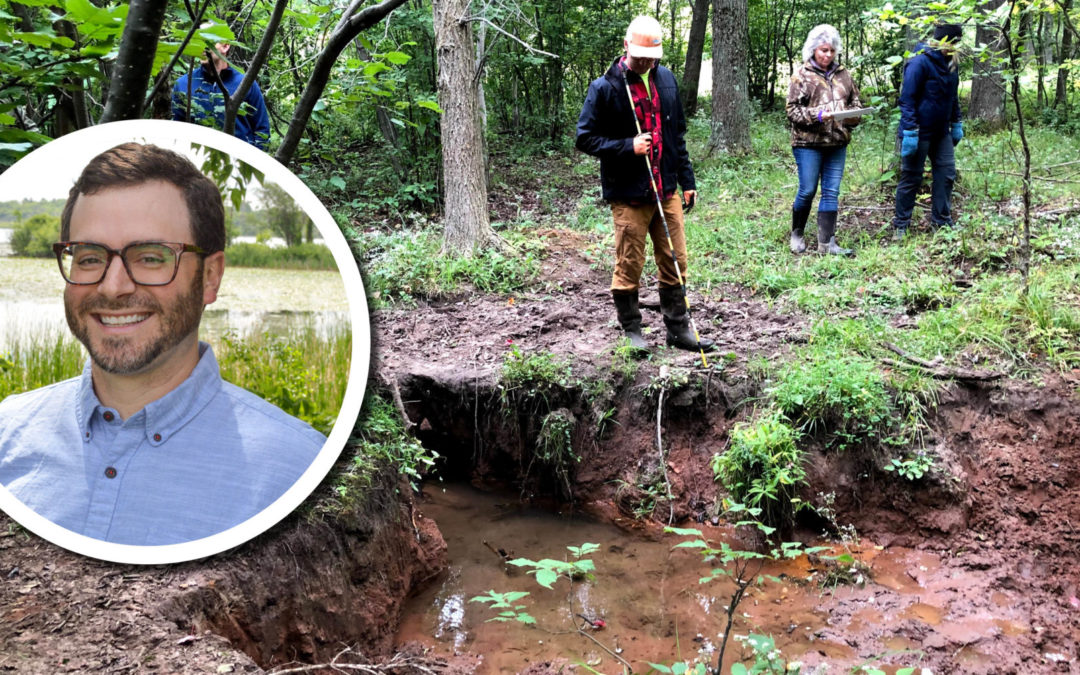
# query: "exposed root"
[[421, 664]]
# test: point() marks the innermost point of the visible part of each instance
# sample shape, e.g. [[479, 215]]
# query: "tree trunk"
[[987, 102], [730, 99], [695, 48], [465, 222], [347, 30], [135, 61], [232, 108], [1062, 92]]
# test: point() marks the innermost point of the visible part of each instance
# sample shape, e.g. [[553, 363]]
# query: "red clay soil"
[[301, 592], [995, 531], [995, 572]]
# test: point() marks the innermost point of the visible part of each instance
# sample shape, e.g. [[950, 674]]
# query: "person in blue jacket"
[[636, 86], [930, 126], [202, 92]]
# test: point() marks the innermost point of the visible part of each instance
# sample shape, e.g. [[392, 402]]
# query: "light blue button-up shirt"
[[203, 458]]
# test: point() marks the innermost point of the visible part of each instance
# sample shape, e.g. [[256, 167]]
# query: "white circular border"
[[94, 140]]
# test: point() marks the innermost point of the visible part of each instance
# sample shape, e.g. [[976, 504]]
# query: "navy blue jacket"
[[606, 130], [252, 122], [928, 98]]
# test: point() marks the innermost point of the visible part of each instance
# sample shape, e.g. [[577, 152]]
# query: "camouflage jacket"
[[813, 89]]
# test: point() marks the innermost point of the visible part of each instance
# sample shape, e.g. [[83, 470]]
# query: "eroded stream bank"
[[977, 567], [973, 568]]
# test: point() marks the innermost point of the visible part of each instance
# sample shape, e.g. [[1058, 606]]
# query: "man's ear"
[[213, 269]]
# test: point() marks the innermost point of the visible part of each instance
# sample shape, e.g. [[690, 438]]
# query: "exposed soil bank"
[[991, 586], [987, 588], [300, 592]]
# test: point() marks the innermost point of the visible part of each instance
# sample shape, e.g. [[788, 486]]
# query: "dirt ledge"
[[301, 591]]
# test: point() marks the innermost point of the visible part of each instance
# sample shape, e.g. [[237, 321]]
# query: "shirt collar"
[[162, 418]]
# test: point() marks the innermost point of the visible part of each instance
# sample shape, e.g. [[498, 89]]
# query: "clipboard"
[[854, 112]]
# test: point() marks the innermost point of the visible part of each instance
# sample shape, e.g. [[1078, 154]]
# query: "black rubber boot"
[[679, 333], [798, 227], [626, 306], [826, 229]]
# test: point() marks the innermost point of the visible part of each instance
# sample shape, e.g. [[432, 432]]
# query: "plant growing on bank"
[[531, 377], [763, 469], [742, 568], [379, 443], [843, 397]]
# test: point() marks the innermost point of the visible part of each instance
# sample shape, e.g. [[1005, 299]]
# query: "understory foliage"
[[379, 443], [842, 397], [763, 468]]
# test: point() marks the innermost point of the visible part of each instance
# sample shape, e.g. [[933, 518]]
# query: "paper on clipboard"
[[854, 112]]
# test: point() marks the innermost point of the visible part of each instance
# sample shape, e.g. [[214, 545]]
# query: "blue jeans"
[[824, 165], [943, 167]]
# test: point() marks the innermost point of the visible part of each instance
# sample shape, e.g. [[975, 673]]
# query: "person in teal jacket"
[[198, 98]]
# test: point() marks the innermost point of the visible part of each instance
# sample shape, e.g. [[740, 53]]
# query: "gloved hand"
[[910, 142], [957, 132]]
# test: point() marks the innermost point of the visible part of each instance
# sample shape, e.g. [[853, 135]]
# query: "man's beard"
[[127, 355]]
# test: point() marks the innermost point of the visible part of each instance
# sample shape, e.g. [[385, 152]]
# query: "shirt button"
[[157, 437], [110, 472], [108, 416]]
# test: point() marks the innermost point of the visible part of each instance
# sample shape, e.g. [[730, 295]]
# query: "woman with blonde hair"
[[819, 88]]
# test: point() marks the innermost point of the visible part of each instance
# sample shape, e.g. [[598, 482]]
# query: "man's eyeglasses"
[[148, 263]]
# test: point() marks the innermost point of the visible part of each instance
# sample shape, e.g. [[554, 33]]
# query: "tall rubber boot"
[[677, 321], [826, 229], [626, 306], [798, 227]]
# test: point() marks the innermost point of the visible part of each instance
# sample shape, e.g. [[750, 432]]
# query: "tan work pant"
[[632, 224]]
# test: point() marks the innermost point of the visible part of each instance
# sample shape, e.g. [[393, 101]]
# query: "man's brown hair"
[[133, 164]]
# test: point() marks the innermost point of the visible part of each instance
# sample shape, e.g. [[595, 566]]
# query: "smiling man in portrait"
[[149, 445]]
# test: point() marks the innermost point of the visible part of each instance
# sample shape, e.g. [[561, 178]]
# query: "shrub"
[[843, 396], [35, 236], [762, 468], [299, 257]]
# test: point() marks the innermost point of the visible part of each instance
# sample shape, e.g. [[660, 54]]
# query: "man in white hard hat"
[[638, 92]]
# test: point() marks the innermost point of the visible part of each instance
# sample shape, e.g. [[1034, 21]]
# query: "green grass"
[[299, 257], [403, 266], [36, 361]]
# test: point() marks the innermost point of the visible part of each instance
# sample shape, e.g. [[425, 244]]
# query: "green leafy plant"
[[530, 376], [913, 467], [548, 570], [740, 567], [763, 468], [505, 602], [842, 396]]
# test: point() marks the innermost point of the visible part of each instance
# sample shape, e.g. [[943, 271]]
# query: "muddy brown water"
[[649, 595]]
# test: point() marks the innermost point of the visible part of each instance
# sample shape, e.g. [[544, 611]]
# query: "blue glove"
[[910, 142], [957, 132]]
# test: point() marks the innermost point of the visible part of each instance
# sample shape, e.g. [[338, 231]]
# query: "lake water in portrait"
[[251, 301]]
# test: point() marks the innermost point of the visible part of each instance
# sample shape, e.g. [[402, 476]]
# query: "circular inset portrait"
[[184, 342]]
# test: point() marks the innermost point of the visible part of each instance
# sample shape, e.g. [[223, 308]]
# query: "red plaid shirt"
[[647, 109]]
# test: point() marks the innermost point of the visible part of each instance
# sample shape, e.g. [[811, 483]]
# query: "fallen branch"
[[911, 357], [943, 373], [935, 369], [503, 554], [601, 645]]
